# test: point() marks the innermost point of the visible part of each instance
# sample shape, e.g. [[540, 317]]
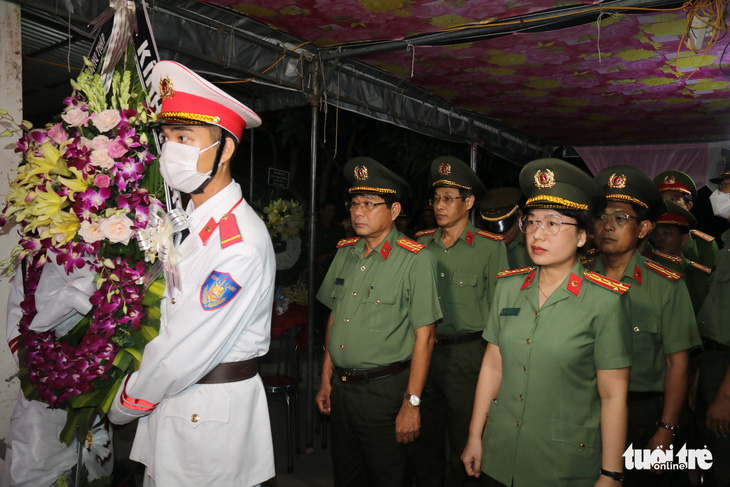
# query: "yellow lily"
[[77, 185], [65, 226]]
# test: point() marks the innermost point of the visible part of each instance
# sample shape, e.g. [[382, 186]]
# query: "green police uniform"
[[466, 280], [713, 321], [701, 247], [378, 302], [661, 315], [544, 427]]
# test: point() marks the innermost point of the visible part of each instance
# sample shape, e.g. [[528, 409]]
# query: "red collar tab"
[[638, 273], [469, 238], [574, 284], [230, 233], [528, 279], [385, 250]]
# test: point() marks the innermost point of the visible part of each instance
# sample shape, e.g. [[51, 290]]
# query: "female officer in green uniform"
[[663, 324], [555, 374]]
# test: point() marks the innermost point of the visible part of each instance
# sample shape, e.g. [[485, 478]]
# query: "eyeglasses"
[[550, 225], [446, 199], [618, 218], [365, 205]]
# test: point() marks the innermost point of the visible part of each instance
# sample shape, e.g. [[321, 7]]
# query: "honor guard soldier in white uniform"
[[202, 407]]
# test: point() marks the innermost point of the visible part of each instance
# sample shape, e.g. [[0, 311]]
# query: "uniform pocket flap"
[[197, 410], [576, 436], [461, 279]]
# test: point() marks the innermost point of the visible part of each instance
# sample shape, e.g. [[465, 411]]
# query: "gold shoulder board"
[[491, 235], [347, 241], [430, 231], [703, 235], [410, 245], [662, 271], [512, 272], [605, 282]]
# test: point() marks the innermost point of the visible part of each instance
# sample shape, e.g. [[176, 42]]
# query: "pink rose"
[[90, 232], [106, 120], [75, 117], [117, 228], [102, 181], [57, 134], [100, 158], [100, 142], [117, 148]]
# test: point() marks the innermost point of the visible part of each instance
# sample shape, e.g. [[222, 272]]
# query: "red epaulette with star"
[[426, 232], [410, 245], [703, 235], [605, 282], [347, 241], [671, 258], [512, 272], [493, 236], [662, 271], [701, 267]]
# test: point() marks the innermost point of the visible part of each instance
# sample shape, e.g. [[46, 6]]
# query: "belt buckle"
[[346, 374]]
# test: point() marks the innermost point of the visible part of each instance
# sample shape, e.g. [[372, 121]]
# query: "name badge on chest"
[[509, 312]]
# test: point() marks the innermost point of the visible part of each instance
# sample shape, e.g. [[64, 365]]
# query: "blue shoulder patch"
[[218, 290]]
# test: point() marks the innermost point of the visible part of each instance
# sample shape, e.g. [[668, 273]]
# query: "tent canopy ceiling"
[[452, 69]]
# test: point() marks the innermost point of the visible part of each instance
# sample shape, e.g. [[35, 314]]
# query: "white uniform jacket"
[[207, 434]]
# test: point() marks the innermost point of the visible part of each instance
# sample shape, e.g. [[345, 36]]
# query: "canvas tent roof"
[[564, 79]]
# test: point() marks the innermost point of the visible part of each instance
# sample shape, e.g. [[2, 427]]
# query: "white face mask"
[[720, 203], [179, 166]]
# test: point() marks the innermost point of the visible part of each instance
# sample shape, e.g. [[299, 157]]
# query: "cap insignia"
[[361, 173], [166, 90], [445, 169], [669, 180], [617, 182], [544, 178]]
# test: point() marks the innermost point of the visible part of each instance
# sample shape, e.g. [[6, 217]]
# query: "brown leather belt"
[[353, 376], [231, 372], [457, 339], [713, 346]]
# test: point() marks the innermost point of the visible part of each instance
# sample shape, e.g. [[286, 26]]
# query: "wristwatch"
[[413, 400]]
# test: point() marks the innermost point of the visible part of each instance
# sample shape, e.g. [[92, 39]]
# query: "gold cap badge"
[[166, 89], [361, 173], [544, 178], [669, 180], [617, 182], [445, 169]]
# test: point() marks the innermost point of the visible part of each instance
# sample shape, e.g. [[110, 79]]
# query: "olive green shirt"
[[662, 321], [467, 277], [544, 428], [700, 249], [713, 319], [378, 301], [517, 253]]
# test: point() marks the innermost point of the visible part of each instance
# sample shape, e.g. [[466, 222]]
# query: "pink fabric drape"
[[692, 159]]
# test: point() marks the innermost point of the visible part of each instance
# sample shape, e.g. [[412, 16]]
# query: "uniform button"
[[195, 418], [528, 341], [518, 424], [362, 268], [439, 297], [342, 347], [524, 367], [173, 300], [442, 274], [347, 320], [354, 294], [582, 446], [636, 328], [446, 251], [521, 397], [461, 284], [377, 301], [208, 229]]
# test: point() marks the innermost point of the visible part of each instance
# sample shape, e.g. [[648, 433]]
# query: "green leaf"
[[88, 399], [149, 332], [111, 395]]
